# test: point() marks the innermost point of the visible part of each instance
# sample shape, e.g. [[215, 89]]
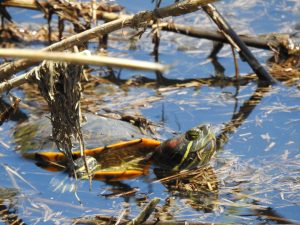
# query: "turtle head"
[[192, 149], [201, 144]]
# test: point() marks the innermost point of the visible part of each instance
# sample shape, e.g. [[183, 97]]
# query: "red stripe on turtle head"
[[173, 143]]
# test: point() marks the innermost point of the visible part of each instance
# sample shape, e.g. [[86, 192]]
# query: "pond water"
[[257, 168]]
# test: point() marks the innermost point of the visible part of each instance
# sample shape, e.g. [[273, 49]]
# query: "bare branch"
[[140, 19]]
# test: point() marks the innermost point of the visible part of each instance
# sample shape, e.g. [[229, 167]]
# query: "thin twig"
[[145, 213], [236, 64], [14, 172]]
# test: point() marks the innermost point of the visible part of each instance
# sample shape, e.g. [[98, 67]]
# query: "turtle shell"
[[121, 155], [35, 134]]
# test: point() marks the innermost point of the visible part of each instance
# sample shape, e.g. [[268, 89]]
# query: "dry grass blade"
[[122, 194], [123, 213], [36, 55], [181, 174], [12, 171]]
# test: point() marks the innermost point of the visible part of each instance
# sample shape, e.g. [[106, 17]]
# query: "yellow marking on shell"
[[119, 175], [143, 141], [60, 157], [187, 151]]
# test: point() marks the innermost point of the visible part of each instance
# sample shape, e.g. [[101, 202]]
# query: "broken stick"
[[238, 44]]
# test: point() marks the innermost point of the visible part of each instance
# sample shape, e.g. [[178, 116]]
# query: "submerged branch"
[[198, 32], [138, 20], [168, 84]]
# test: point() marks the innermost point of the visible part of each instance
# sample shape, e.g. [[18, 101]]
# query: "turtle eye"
[[192, 134]]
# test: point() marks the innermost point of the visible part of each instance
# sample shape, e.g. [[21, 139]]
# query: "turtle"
[[132, 153]]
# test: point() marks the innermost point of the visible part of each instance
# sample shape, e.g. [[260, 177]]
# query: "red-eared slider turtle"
[[125, 158]]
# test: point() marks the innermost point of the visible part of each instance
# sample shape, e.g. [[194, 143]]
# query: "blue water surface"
[[258, 165]]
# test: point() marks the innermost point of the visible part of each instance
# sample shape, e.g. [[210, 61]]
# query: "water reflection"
[[245, 110]]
